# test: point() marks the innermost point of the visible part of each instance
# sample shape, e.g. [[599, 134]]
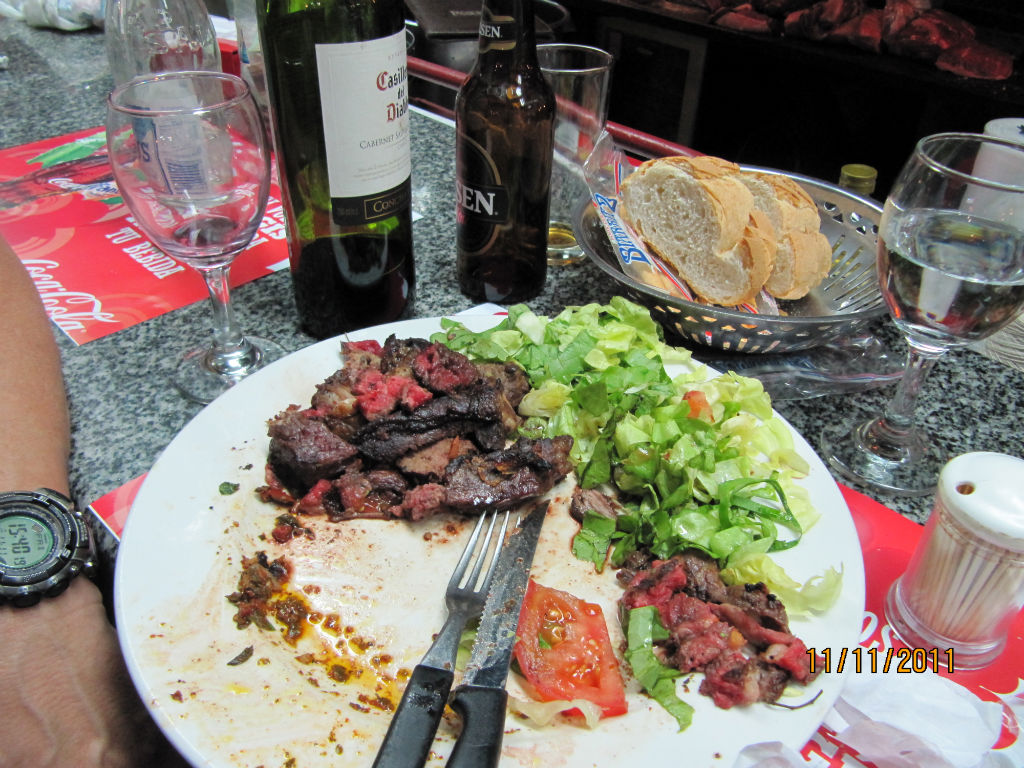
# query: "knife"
[[480, 699]]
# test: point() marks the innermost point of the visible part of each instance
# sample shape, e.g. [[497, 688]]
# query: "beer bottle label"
[[483, 201], [365, 103], [497, 33]]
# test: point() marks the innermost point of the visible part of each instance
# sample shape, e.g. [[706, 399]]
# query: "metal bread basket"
[[848, 299]]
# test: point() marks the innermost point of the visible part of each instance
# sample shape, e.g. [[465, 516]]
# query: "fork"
[[415, 722]]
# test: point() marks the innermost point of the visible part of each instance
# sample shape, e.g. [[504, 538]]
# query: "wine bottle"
[[337, 79], [504, 123]]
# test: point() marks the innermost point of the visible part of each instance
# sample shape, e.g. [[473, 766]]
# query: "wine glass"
[[951, 268], [190, 157]]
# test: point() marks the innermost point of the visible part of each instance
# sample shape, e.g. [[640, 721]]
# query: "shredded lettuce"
[[643, 630], [541, 713], [816, 594], [724, 485]]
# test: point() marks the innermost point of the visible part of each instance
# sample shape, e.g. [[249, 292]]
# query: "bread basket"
[[848, 299]]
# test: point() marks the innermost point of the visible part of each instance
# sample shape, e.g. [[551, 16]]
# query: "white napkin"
[[903, 720]]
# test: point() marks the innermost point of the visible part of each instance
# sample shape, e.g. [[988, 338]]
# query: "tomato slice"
[[700, 408], [564, 651]]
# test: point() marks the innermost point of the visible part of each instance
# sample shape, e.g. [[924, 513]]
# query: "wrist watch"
[[44, 544]]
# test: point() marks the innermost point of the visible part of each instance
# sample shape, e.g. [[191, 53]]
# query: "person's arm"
[[34, 438], [67, 698]]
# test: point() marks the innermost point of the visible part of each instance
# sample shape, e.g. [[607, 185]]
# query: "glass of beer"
[[579, 75]]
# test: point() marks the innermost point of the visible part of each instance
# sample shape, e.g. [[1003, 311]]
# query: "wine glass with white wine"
[[951, 267], [190, 157]]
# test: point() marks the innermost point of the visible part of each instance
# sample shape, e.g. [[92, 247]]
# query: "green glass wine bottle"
[[338, 83]]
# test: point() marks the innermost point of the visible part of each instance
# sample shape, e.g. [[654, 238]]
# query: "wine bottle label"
[[483, 201], [365, 99], [353, 211], [497, 33]]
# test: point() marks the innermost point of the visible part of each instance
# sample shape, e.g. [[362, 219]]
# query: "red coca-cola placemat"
[[93, 267], [887, 540]]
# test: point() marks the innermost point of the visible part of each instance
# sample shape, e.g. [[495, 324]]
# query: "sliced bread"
[[700, 218], [803, 255]]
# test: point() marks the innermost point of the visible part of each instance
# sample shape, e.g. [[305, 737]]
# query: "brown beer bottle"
[[504, 122]]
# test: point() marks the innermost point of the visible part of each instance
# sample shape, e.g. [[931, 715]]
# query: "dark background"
[[802, 106]]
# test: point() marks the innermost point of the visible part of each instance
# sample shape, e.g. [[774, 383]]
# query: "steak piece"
[[698, 634], [757, 602], [398, 354], [470, 412], [896, 15], [928, 34], [444, 370], [780, 648], [734, 679], [592, 500], [430, 462], [691, 572], [864, 31], [422, 502], [373, 494], [509, 377], [818, 21], [359, 355], [336, 404], [503, 478], [973, 59], [743, 18], [703, 579], [655, 586], [711, 625], [303, 450], [379, 394]]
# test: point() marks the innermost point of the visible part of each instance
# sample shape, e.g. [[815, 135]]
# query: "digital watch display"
[[44, 543]]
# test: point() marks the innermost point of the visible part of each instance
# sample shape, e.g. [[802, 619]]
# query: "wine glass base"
[[856, 453], [202, 375]]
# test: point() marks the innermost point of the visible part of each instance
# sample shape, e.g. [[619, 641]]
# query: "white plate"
[[180, 556]]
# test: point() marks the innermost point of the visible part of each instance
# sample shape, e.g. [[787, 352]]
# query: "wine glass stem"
[[226, 334], [232, 354], [898, 417]]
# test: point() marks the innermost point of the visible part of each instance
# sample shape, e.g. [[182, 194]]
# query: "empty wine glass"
[[951, 267], [190, 158]]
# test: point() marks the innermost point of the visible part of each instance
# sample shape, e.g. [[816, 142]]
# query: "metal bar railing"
[[629, 139]]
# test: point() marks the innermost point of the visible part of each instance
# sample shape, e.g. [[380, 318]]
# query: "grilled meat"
[[409, 429]]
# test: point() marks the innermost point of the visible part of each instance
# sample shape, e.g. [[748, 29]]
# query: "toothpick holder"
[[965, 582]]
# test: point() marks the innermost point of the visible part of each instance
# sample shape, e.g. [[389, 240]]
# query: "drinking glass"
[[190, 159], [951, 267], [579, 75]]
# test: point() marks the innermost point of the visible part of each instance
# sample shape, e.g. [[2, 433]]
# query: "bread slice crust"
[[727, 232], [698, 217]]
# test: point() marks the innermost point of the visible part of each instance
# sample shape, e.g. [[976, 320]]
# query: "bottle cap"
[[984, 492], [858, 177]]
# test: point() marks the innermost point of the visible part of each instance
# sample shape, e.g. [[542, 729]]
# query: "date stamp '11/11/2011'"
[[877, 660]]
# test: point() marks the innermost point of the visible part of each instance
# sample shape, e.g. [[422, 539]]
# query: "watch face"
[[25, 541]]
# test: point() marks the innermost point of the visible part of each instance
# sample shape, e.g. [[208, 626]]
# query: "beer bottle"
[[504, 123], [337, 77]]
